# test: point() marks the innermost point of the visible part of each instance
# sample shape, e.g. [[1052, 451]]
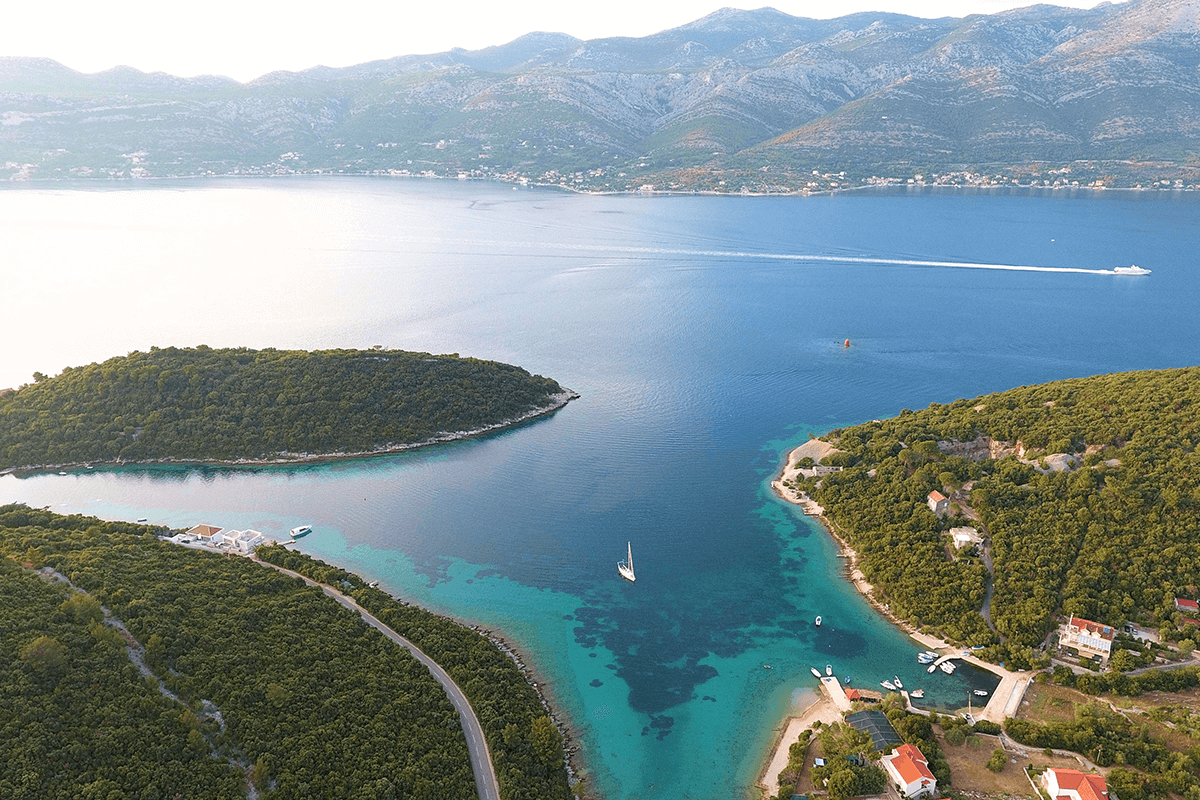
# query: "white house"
[[964, 537], [205, 533], [938, 503], [909, 771], [1071, 784], [1089, 638], [247, 540]]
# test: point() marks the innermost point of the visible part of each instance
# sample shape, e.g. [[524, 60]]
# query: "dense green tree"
[[274, 680], [1112, 535], [203, 404]]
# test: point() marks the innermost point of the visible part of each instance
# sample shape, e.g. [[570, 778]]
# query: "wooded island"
[[240, 405]]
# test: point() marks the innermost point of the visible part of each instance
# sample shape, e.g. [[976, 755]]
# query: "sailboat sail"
[[626, 567]]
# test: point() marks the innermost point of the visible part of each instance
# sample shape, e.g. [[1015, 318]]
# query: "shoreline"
[[529, 183], [557, 401], [1003, 701]]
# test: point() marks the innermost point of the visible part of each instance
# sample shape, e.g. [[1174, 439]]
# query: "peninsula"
[[983, 520], [241, 406], [1054, 530]]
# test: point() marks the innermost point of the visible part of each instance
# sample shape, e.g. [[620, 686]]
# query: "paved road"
[[481, 757]]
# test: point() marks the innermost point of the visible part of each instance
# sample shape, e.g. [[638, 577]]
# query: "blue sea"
[[705, 336]]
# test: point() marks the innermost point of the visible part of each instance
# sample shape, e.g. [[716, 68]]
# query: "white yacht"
[[818, 620], [1132, 269], [896, 680], [626, 567], [301, 530], [917, 693], [891, 687]]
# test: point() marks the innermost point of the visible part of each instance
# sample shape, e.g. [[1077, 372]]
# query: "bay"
[[706, 338]]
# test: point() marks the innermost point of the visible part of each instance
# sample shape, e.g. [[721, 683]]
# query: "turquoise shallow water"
[[701, 356]]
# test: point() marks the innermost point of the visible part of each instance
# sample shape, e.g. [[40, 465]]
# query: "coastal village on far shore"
[[989, 764]]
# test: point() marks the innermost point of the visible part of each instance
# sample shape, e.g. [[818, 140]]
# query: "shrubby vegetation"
[[526, 746], [1108, 739], [203, 404], [312, 702], [1114, 538]]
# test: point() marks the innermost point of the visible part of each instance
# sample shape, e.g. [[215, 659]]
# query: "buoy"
[[847, 343]]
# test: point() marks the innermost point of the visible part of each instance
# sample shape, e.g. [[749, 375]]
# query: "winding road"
[[481, 757]]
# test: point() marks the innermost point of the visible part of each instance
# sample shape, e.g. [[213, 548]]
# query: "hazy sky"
[[247, 38]]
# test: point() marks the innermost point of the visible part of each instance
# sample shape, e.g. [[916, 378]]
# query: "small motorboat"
[[816, 672], [891, 687], [980, 693], [925, 658], [829, 670], [917, 693], [932, 667], [142, 519], [62, 473], [301, 530], [947, 667], [896, 680], [766, 666], [846, 680], [818, 620]]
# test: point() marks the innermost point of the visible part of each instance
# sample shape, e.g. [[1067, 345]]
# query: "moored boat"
[[829, 670], [816, 672], [980, 693], [300, 530], [888, 685], [917, 693], [896, 680], [947, 667]]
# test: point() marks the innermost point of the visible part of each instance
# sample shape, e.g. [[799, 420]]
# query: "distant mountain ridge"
[[735, 101]]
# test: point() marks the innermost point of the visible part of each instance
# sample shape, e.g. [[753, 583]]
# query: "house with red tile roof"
[[1190, 606], [938, 502], [1089, 638], [1071, 784], [909, 771]]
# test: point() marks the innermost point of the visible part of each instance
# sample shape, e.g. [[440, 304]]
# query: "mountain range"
[[735, 101]]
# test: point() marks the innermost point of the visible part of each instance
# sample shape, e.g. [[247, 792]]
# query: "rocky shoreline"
[[557, 401]]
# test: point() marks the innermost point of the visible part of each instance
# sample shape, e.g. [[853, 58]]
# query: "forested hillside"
[[276, 683], [270, 674], [203, 404], [1087, 491]]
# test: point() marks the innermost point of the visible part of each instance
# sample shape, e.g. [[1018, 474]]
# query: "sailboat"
[[626, 567]]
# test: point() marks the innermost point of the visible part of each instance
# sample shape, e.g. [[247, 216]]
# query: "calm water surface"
[[703, 351]]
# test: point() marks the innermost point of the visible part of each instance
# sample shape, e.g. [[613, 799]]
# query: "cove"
[[701, 358]]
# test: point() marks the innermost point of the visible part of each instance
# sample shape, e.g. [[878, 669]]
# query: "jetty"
[[837, 694]]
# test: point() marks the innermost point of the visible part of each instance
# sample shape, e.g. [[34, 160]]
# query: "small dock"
[[837, 694]]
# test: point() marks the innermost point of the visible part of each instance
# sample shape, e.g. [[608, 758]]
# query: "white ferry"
[[1132, 269]]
